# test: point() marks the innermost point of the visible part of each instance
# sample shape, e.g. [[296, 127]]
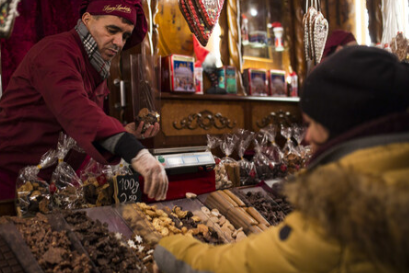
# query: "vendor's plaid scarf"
[[91, 48]]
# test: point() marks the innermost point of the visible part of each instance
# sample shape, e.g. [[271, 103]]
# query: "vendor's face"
[[316, 133], [109, 32]]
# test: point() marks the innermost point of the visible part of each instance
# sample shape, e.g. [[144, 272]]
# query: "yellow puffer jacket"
[[351, 217]]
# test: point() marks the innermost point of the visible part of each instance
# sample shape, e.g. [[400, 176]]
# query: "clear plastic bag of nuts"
[[34, 193], [230, 165]]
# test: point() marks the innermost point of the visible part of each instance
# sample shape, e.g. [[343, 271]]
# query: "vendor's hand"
[[156, 180], [152, 131]]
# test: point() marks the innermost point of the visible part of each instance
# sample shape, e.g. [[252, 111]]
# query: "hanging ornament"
[[201, 16], [396, 31], [320, 36], [8, 14], [315, 32]]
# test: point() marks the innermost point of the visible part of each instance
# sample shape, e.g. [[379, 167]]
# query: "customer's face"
[[109, 32], [316, 133]]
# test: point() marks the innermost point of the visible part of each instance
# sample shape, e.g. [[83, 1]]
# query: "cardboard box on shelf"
[[227, 79], [178, 74], [255, 81], [277, 83]]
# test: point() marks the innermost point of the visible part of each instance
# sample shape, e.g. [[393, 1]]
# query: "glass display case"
[[262, 34]]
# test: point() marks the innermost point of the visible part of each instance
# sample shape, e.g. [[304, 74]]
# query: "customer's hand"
[[152, 131], [156, 268], [156, 180]]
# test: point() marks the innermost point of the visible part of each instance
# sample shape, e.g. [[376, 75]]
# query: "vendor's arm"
[[294, 245], [131, 150]]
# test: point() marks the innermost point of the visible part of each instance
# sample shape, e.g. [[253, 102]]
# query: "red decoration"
[[101, 180], [52, 188], [283, 168]]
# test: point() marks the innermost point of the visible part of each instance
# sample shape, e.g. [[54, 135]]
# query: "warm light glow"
[[253, 12], [362, 22]]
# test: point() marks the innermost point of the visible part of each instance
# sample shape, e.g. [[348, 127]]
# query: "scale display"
[[186, 160]]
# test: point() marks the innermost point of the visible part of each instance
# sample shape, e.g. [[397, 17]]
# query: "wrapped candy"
[[69, 191], [33, 193], [261, 162], [97, 189], [292, 155], [212, 143], [299, 134], [227, 145], [273, 152], [247, 168], [289, 145], [304, 151]]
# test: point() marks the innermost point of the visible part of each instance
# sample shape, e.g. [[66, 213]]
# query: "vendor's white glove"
[[156, 180]]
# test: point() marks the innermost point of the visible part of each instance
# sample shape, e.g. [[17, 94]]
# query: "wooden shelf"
[[172, 96]]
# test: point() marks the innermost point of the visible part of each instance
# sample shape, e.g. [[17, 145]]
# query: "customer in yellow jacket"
[[352, 204]]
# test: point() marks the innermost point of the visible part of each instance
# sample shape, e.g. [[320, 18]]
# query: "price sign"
[[126, 189]]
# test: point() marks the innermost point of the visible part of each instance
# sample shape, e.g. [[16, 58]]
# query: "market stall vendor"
[[351, 203], [338, 40], [60, 86]]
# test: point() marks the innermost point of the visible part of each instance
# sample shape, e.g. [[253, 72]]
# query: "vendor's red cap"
[[130, 10]]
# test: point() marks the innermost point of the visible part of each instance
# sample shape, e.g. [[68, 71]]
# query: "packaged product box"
[[292, 81], [178, 74], [199, 80], [255, 81], [277, 83], [227, 79], [258, 37]]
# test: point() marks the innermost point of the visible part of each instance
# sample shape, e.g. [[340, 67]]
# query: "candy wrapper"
[[273, 151], [69, 191], [273, 169], [304, 151], [120, 169], [222, 179], [98, 191], [292, 155], [227, 145], [212, 143], [261, 162], [33, 193], [298, 135], [247, 168]]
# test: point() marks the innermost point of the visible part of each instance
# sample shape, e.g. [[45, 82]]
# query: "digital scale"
[[179, 161], [189, 169]]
